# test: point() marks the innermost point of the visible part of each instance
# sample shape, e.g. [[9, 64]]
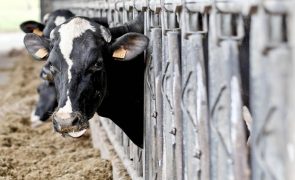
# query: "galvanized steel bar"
[[169, 23], [270, 80], [228, 144], [156, 35], [290, 146], [154, 72], [194, 91]]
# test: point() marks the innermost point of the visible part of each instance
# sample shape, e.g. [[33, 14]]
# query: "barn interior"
[[218, 94]]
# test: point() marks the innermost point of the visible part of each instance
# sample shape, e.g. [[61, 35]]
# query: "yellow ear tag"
[[41, 53], [120, 53], [38, 32]]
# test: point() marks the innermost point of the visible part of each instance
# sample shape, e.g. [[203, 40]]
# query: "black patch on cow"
[[101, 20], [54, 67], [123, 103], [88, 83], [50, 24], [47, 100]]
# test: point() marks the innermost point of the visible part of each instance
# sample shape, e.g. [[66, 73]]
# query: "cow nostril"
[[75, 121], [56, 127]]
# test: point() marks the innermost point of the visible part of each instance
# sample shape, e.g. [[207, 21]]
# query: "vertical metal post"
[[154, 56], [46, 7], [228, 141], [290, 147], [171, 84], [156, 33], [194, 91], [270, 81]]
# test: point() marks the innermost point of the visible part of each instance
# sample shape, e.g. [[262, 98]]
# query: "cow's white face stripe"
[[51, 36], [59, 20], [67, 108], [45, 18], [68, 32]]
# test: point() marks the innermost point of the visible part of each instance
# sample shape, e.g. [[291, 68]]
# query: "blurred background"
[[12, 14], [25, 152]]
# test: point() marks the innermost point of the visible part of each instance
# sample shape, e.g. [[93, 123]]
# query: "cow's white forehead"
[[68, 32], [46, 16], [59, 20], [75, 27]]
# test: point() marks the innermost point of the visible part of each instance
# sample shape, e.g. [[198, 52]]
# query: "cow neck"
[[123, 103], [119, 31]]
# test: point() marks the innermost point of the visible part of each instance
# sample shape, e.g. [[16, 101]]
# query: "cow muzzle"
[[69, 124]]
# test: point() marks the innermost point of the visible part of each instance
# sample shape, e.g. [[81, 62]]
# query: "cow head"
[[50, 21], [78, 53], [45, 105]]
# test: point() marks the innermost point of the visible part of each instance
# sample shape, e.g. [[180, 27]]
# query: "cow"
[[95, 69], [46, 104], [47, 96]]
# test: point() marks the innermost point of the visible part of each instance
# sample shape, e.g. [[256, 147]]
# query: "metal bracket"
[[171, 16], [238, 31], [199, 27], [276, 26], [127, 11], [154, 19]]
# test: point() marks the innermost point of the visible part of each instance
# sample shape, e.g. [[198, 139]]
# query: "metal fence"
[[207, 61]]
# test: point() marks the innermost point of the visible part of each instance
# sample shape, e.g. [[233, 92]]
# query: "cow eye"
[[96, 67], [98, 93], [46, 74], [52, 69]]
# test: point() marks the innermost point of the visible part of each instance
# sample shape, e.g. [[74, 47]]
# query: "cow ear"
[[129, 46], [32, 27], [37, 46]]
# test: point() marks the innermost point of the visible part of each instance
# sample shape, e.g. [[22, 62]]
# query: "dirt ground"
[[40, 153]]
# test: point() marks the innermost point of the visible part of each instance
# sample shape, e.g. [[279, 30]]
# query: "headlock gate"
[[207, 62]]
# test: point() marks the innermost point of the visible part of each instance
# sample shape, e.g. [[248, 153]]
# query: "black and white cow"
[[47, 96], [46, 104], [95, 69]]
